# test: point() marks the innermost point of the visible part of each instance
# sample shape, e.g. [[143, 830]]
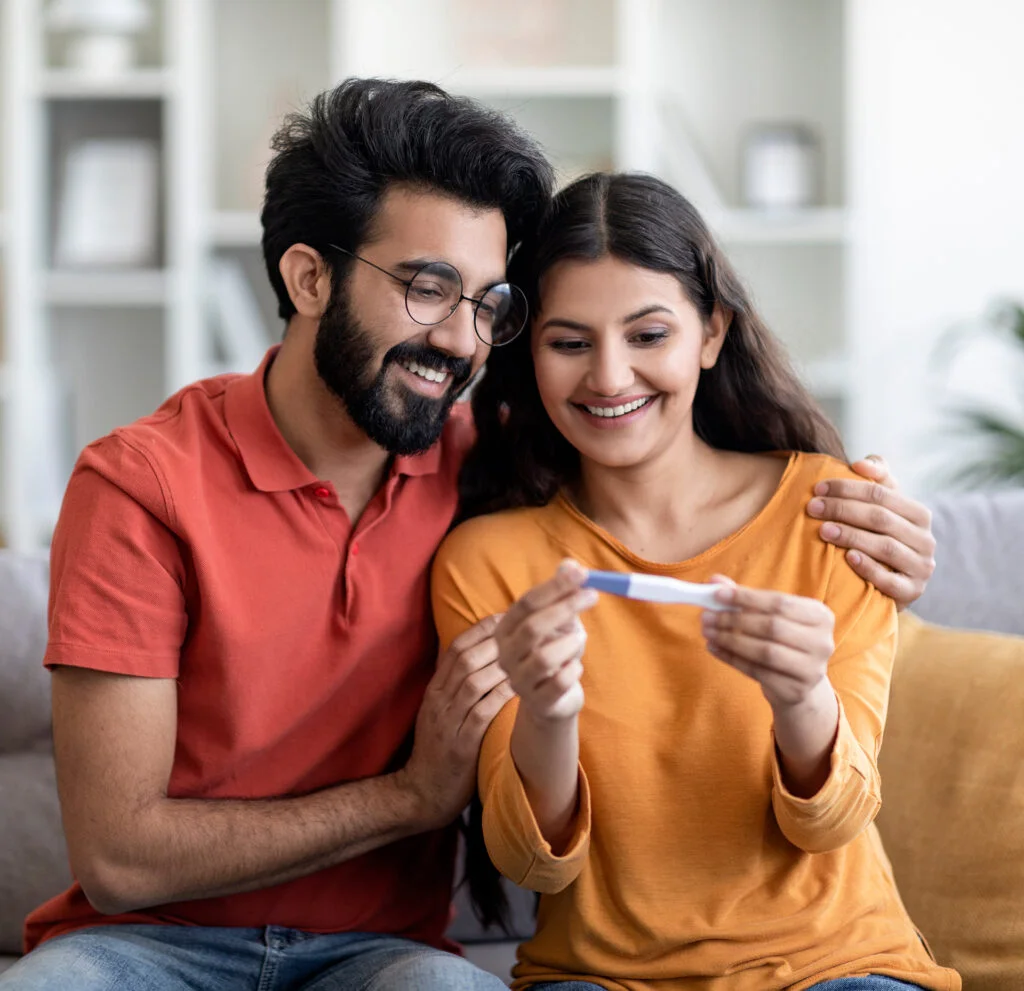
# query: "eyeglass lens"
[[436, 289]]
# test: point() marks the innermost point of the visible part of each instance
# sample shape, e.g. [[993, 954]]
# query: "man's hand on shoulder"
[[888, 536], [467, 691]]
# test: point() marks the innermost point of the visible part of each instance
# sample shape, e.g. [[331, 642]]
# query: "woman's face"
[[617, 351]]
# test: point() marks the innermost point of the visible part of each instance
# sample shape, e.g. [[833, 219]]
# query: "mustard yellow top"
[[692, 866]]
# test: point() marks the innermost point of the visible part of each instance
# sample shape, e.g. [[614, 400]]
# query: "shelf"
[[556, 81], [235, 229], [141, 287], [821, 225], [138, 84]]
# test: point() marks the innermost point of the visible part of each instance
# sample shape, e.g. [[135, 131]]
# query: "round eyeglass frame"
[[408, 283]]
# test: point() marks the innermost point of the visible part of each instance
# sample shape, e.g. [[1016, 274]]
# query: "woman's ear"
[[307, 279], [714, 335]]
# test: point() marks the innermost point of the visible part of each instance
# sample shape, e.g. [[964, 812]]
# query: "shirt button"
[[322, 492], [355, 550]]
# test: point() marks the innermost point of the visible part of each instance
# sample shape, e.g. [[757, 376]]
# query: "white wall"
[[936, 186]]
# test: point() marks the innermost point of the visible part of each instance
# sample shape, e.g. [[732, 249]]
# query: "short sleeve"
[[117, 602]]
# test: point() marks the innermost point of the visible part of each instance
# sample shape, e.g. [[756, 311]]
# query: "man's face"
[[397, 378]]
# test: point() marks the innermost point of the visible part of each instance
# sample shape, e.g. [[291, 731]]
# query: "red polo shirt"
[[194, 544]]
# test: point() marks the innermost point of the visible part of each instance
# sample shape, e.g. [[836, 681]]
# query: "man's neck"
[[319, 430]]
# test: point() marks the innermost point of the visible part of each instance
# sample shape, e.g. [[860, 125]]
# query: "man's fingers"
[[457, 662], [475, 686], [891, 552], [875, 467], [481, 715], [900, 587], [838, 497]]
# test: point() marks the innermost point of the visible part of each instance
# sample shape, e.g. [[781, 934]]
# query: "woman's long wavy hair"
[[751, 400]]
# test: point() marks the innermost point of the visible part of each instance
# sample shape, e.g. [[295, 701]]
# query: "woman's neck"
[[654, 505], [680, 504]]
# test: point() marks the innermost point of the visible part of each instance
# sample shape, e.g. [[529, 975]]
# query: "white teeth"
[[611, 411], [430, 374]]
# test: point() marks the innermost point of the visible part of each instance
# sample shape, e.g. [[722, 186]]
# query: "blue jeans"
[[187, 958], [874, 983]]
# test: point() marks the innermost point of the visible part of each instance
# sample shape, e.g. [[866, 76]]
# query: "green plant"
[[998, 457]]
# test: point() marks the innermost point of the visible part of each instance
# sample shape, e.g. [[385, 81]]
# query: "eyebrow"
[[630, 318], [415, 264]]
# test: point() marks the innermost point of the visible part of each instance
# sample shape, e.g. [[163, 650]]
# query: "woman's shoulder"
[[816, 468], [509, 530]]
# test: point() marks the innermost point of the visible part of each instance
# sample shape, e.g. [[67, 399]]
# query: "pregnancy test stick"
[[656, 588]]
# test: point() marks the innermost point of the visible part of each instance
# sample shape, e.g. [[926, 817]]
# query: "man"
[[258, 763]]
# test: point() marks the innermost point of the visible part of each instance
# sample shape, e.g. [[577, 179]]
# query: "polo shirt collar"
[[270, 462]]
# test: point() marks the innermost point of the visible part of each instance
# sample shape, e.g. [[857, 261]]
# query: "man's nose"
[[456, 335]]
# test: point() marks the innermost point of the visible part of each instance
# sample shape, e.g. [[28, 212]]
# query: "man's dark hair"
[[335, 161]]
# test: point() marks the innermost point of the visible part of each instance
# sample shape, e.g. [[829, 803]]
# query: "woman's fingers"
[[795, 608]]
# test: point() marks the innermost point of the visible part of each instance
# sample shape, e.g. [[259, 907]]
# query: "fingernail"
[[853, 557], [587, 598], [821, 488], [816, 507], [571, 569], [830, 531], [725, 594]]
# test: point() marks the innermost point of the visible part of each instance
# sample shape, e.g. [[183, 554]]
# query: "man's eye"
[[426, 292]]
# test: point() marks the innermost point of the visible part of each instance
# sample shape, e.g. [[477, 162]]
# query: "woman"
[[691, 793]]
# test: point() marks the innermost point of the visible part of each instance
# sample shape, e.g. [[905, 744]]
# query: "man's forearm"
[[181, 849]]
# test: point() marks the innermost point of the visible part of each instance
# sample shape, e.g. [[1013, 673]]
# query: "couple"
[[259, 761]]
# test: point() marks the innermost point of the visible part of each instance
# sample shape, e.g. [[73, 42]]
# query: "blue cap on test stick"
[[608, 581]]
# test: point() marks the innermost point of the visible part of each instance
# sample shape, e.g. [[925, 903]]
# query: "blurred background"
[[861, 161]]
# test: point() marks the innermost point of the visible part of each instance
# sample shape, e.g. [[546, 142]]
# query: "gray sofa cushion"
[[24, 683], [979, 571], [33, 860]]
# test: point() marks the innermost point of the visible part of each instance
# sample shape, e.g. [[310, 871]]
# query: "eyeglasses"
[[434, 292]]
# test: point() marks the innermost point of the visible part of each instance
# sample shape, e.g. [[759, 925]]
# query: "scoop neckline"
[[639, 563]]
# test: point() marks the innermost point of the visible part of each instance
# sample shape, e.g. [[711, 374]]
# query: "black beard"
[[392, 416]]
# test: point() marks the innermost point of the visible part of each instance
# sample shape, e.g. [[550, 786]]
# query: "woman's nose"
[[610, 372]]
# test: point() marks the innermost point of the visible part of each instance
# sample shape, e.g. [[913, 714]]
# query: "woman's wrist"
[[805, 733]]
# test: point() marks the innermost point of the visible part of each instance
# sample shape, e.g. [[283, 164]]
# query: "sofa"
[[952, 764]]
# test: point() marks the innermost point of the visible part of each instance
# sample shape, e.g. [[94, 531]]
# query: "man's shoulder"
[[149, 457], [185, 423]]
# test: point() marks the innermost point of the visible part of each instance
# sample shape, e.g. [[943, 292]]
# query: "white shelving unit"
[[587, 77]]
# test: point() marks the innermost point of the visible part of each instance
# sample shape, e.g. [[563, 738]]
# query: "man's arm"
[[131, 846], [888, 536]]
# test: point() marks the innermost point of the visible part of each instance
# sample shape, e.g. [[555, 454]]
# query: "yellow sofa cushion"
[[952, 817]]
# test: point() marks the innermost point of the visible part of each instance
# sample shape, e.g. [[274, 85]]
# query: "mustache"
[[458, 368]]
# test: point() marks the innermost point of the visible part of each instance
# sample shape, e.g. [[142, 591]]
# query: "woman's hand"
[[783, 642], [888, 536], [540, 645]]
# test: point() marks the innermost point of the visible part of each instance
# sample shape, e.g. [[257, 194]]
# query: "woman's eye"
[[568, 345], [649, 337]]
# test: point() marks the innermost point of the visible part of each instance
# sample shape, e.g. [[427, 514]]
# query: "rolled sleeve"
[[844, 805], [861, 673], [513, 838]]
